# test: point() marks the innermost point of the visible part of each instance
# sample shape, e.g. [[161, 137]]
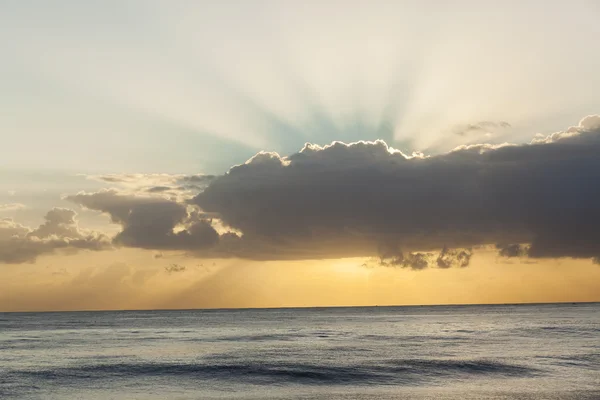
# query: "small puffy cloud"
[[174, 268], [59, 222], [454, 258], [513, 250], [60, 231]]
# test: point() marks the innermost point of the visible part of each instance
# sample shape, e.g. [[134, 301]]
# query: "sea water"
[[526, 352]]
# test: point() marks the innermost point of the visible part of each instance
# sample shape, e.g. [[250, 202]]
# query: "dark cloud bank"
[[365, 199], [354, 199]]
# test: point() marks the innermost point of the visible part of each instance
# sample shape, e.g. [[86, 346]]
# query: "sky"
[[199, 154]]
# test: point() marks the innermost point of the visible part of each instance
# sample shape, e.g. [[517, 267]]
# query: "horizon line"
[[307, 307]]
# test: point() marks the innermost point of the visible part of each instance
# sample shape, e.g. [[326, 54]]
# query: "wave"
[[587, 361], [251, 338], [556, 331], [276, 337], [396, 372]]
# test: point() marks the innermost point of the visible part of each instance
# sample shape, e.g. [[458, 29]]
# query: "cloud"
[[174, 268], [142, 180], [480, 127], [415, 261], [158, 189], [12, 207], [512, 250], [589, 124], [176, 186], [446, 258], [362, 199], [151, 222], [454, 258], [10, 229], [60, 231], [350, 199], [59, 222]]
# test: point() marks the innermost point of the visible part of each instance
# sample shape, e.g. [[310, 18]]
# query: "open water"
[[495, 352]]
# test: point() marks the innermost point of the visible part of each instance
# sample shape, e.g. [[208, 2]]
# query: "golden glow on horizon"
[[140, 281]]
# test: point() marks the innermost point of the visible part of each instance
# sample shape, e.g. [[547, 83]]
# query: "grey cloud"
[[454, 258], [197, 178], [149, 179], [151, 222], [134, 179], [446, 258], [482, 126], [415, 261], [158, 189], [10, 229], [174, 268], [59, 222], [512, 250], [112, 179], [19, 244], [174, 185], [348, 200]]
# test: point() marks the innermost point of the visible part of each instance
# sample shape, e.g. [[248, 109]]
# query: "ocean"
[[549, 352]]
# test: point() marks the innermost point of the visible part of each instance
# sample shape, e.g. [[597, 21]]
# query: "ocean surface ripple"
[[444, 352]]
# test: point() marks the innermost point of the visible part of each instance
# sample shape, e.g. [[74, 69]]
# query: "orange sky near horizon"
[[94, 281]]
